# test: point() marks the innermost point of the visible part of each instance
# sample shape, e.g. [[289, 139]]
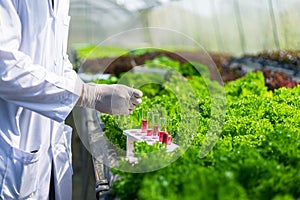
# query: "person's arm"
[[26, 84], [111, 99]]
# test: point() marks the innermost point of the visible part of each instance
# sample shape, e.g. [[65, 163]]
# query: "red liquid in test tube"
[[156, 125], [144, 125], [149, 132], [160, 134], [166, 139], [169, 140], [155, 131], [149, 123]]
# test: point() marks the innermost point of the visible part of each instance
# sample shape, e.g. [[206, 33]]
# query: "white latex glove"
[[110, 99]]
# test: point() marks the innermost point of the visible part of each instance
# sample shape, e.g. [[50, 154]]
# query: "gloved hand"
[[110, 99]]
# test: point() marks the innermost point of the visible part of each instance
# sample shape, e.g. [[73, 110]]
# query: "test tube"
[[163, 128], [144, 123], [163, 124], [156, 125], [165, 139], [150, 123], [169, 140]]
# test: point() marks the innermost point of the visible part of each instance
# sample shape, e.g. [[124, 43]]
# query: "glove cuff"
[[88, 96]]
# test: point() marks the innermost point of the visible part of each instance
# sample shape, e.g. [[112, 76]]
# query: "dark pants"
[[52, 189]]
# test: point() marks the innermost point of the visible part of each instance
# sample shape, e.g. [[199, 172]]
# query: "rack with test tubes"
[[153, 129]]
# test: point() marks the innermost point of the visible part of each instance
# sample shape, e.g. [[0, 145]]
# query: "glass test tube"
[[150, 123], [156, 125], [144, 125], [163, 128]]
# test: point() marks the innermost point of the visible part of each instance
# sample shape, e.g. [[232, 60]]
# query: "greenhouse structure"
[[220, 111]]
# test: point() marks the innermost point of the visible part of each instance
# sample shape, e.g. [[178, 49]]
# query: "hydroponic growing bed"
[[255, 156]]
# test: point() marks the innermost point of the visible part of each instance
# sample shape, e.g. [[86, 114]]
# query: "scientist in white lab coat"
[[38, 89]]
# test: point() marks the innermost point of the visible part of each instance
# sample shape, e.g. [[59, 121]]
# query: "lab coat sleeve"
[[69, 72], [29, 85]]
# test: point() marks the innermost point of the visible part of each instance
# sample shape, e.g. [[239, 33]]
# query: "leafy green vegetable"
[[257, 155]]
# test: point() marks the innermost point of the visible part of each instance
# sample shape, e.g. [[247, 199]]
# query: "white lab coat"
[[38, 89]]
